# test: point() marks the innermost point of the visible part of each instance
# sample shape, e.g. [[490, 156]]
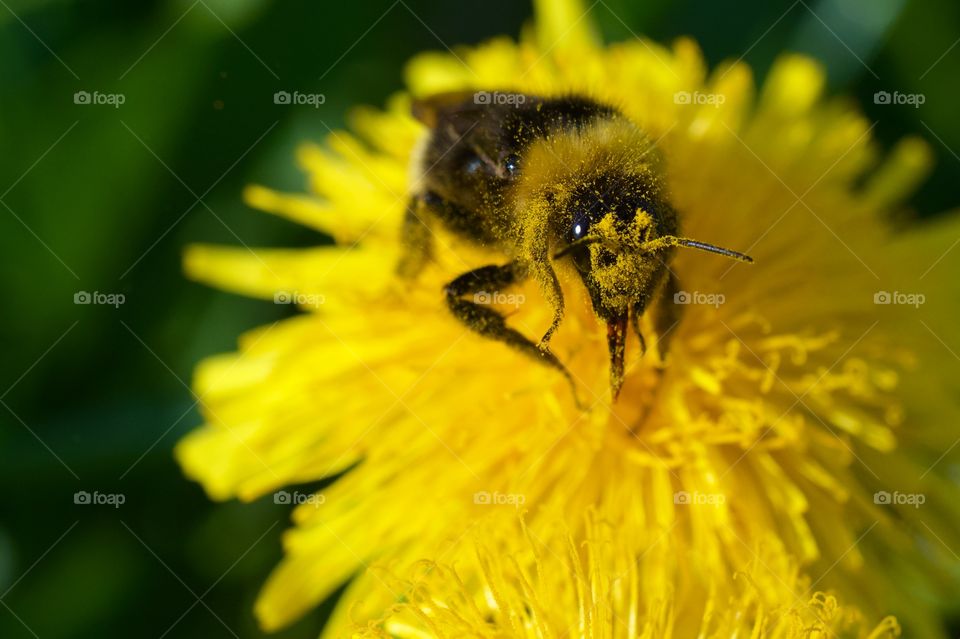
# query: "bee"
[[539, 180]]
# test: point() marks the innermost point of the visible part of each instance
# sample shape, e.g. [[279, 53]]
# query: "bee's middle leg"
[[477, 314]]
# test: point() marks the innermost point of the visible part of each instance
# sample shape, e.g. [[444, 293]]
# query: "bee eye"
[[580, 226], [511, 164]]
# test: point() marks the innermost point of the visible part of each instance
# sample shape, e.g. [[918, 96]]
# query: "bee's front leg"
[[484, 284], [666, 314]]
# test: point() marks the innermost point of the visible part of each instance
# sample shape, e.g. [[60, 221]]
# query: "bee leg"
[[416, 238], [476, 314], [639, 307], [635, 314], [554, 295], [667, 314]]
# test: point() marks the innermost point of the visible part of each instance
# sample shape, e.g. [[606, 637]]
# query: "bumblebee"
[[539, 180]]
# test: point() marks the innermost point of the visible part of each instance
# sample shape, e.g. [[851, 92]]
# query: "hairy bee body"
[[474, 155], [539, 180]]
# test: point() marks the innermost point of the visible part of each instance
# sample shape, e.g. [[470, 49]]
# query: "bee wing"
[[464, 119], [458, 105]]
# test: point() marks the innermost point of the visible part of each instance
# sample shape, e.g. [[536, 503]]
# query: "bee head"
[[595, 195], [603, 220], [619, 233]]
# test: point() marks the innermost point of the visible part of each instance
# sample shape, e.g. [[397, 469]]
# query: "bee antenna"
[[668, 241]]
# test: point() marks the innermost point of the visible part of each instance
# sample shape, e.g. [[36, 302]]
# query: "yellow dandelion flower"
[[556, 586], [793, 399]]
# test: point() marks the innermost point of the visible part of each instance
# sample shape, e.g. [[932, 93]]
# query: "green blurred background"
[[97, 198]]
